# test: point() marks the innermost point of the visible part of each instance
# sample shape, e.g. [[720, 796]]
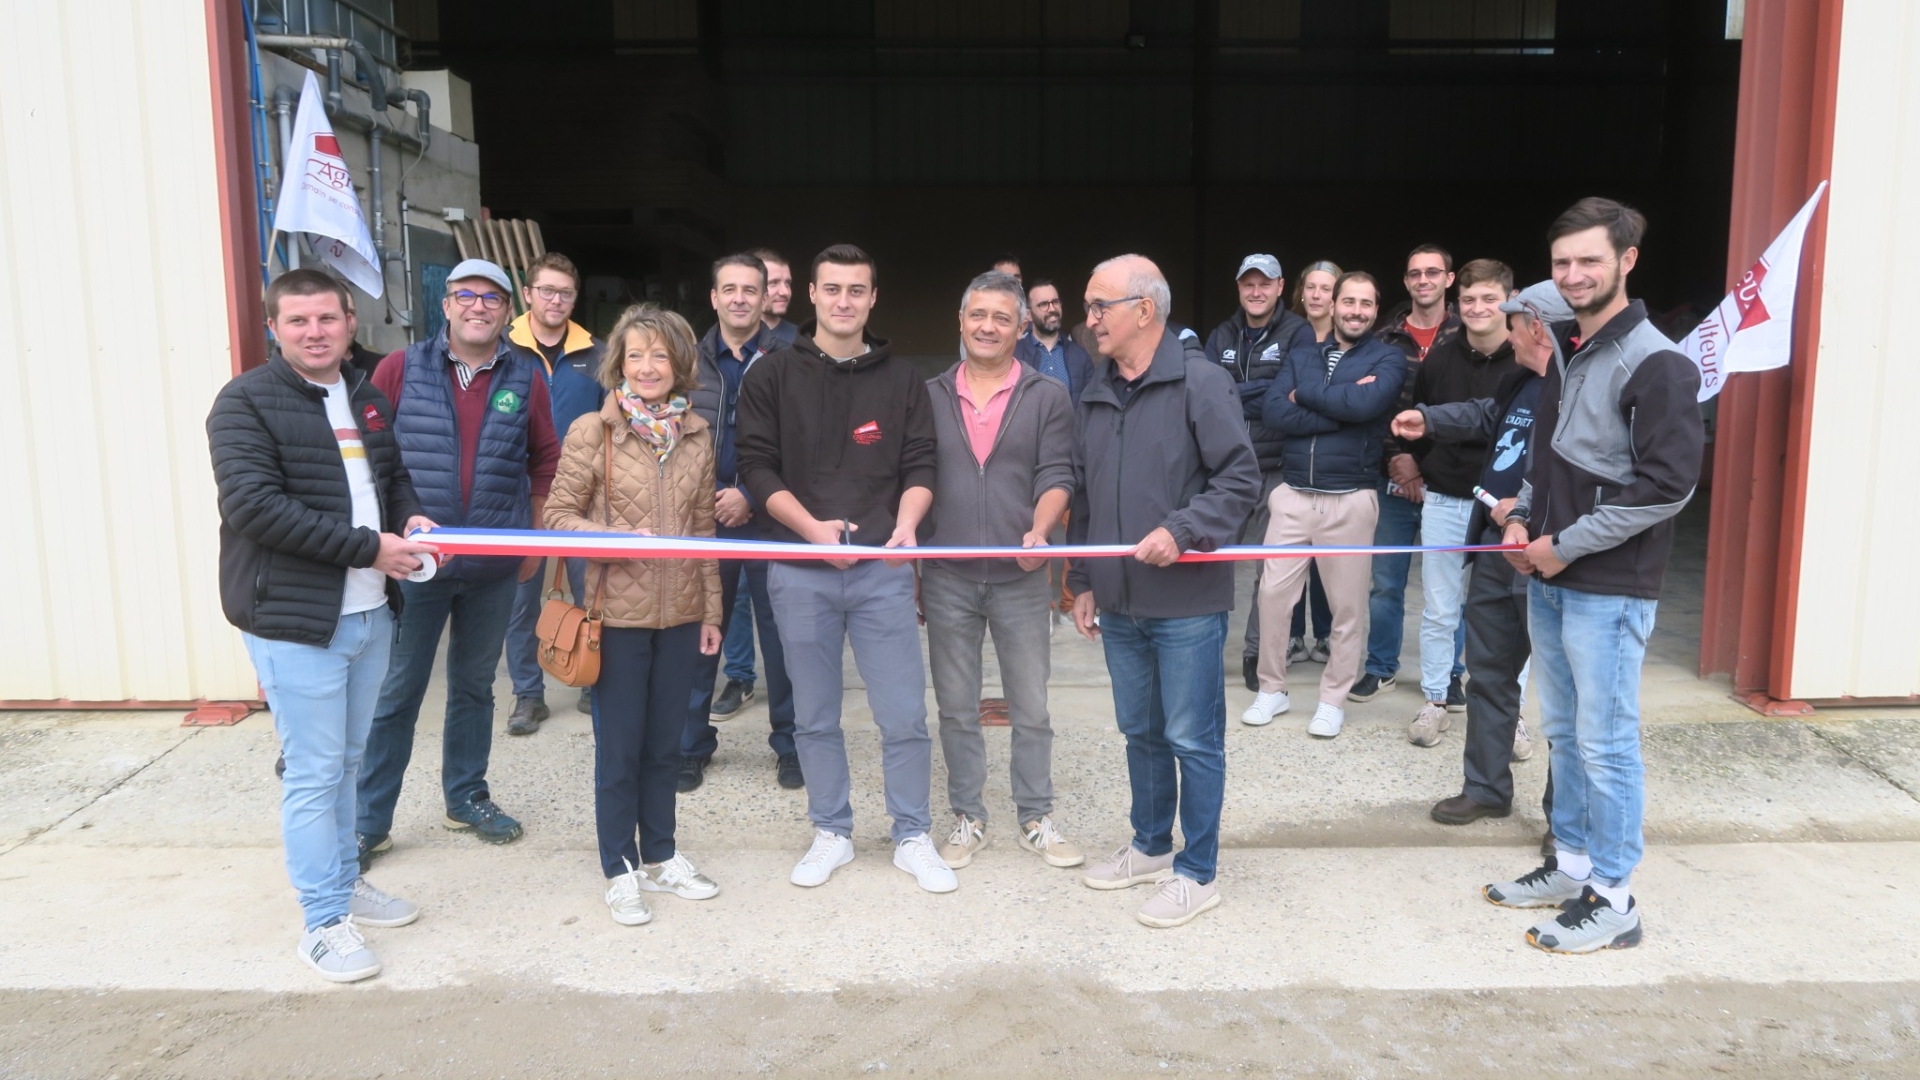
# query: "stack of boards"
[[512, 243]]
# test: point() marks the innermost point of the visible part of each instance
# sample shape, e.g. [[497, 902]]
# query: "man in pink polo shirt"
[[1005, 474]]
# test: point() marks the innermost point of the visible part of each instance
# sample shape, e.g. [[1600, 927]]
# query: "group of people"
[[1294, 427]]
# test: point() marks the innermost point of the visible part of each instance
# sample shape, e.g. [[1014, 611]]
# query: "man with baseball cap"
[[1251, 345], [475, 427]]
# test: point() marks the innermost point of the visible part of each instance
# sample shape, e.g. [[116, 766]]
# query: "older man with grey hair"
[[1005, 472], [1165, 465]]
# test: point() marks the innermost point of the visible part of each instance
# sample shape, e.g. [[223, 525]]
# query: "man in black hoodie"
[[836, 443]]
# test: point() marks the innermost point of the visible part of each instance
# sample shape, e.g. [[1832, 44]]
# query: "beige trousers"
[[1311, 518]]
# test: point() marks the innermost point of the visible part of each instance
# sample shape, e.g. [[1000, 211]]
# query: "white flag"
[[317, 197], [1752, 329]]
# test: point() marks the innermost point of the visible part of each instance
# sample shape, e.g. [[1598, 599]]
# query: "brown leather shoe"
[[1461, 810]]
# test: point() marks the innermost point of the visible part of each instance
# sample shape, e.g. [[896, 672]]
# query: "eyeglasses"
[[1046, 303], [548, 292], [1097, 309], [1431, 273], [491, 301]]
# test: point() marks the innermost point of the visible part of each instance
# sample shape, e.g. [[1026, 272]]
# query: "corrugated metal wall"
[[113, 341], [1856, 634]]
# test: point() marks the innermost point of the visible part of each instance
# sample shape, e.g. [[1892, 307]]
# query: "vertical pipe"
[[283, 118], [379, 193], [406, 267]]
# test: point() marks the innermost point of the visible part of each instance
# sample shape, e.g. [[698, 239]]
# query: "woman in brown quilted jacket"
[[657, 613]]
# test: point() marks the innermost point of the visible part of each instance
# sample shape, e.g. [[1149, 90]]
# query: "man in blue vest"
[[475, 427]]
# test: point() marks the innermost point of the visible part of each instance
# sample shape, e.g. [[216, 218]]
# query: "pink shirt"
[[983, 421]]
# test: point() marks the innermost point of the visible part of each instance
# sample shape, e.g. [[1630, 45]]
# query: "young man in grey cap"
[[1251, 345], [475, 428]]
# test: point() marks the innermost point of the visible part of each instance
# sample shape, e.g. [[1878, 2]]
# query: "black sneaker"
[[693, 773], [1369, 686], [736, 695], [1456, 696], [486, 819], [789, 769], [1250, 671], [526, 716], [371, 847]]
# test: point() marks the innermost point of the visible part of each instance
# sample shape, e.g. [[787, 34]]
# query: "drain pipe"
[[283, 118], [363, 61]]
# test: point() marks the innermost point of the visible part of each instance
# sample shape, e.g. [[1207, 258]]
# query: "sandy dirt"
[[1011, 1023]]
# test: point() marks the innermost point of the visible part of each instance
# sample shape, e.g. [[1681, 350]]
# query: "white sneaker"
[[1265, 707], [1429, 724], [1326, 721], [679, 877], [1522, 741], [629, 908], [916, 856], [830, 852], [338, 952], [371, 907]]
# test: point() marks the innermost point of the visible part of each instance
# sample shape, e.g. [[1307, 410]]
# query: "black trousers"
[[1497, 649], [639, 713]]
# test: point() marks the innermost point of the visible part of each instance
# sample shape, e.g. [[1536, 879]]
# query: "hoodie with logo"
[[845, 437]]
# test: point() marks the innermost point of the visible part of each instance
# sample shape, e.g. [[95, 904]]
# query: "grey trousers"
[[1255, 532], [1497, 649], [819, 610], [960, 613]]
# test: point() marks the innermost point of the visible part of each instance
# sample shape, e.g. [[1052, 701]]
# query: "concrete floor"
[[137, 856]]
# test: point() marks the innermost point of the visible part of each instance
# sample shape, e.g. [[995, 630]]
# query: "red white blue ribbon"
[[597, 545]]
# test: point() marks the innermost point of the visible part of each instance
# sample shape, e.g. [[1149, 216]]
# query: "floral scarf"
[[658, 425]]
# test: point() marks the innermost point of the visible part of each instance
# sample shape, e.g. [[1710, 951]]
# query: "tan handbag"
[[567, 637]]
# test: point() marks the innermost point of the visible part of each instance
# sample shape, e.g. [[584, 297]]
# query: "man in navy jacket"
[[1330, 402]]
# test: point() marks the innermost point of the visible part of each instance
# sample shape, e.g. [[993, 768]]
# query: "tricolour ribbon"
[[597, 545]]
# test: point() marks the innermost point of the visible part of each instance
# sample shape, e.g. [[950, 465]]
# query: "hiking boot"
[[624, 901], [1296, 651], [337, 952], [1522, 742], [1128, 867], [736, 695], [1429, 724], [679, 877], [1321, 651], [1040, 837], [485, 818], [830, 852], [1544, 887], [1327, 721], [1265, 707], [917, 856], [1456, 695], [1369, 686], [372, 847], [1588, 924], [693, 773], [1461, 810], [968, 836], [1179, 902], [1250, 672], [788, 770], [371, 907], [526, 716]]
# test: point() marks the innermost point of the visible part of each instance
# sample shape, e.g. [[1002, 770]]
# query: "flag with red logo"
[[317, 197], [1752, 329]]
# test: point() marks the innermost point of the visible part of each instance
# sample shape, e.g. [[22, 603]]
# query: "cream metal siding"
[[113, 335], [1857, 634]]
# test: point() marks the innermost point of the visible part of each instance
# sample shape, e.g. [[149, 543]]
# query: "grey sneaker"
[[526, 716], [1522, 741], [1429, 724], [338, 952], [1179, 902], [1126, 868], [679, 877], [1297, 651], [1589, 924], [628, 907], [1321, 652], [371, 907], [968, 836], [1545, 887]]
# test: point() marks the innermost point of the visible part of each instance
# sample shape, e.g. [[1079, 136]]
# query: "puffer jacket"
[[671, 498]]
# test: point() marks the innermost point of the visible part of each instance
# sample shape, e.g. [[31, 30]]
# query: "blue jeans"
[[737, 647], [1587, 653], [1170, 701], [1443, 581], [701, 738], [528, 599], [322, 700], [478, 611], [1399, 526]]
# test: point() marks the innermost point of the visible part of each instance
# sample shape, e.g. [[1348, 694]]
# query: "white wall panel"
[[1857, 634], [112, 344]]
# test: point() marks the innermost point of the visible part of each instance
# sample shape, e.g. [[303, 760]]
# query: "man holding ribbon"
[[1166, 465]]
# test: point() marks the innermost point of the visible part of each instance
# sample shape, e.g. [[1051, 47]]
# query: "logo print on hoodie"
[[868, 433], [374, 421]]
